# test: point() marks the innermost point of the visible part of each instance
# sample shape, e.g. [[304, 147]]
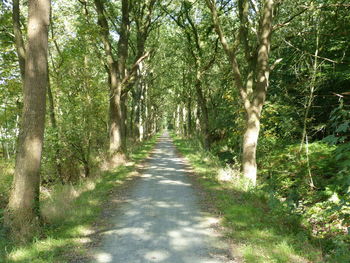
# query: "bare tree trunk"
[[23, 208], [250, 142], [115, 116], [312, 91]]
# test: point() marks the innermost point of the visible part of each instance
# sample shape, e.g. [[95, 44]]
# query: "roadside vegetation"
[[265, 223], [68, 212]]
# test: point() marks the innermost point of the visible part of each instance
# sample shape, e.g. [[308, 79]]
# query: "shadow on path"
[[161, 220]]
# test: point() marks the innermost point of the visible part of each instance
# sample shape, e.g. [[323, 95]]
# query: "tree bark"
[[250, 142], [23, 208], [115, 117], [204, 118]]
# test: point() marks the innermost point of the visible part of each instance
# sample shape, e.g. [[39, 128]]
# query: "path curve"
[[161, 221]]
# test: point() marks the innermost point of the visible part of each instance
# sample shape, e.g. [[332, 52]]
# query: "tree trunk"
[[198, 116], [184, 121], [250, 142], [177, 121], [131, 117], [23, 208], [117, 73], [189, 117], [147, 111], [142, 109], [124, 116], [253, 93], [115, 115], [312, 91], [204, 118]]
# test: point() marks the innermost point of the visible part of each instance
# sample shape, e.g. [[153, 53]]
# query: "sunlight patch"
[[104, 257], [173, 182]]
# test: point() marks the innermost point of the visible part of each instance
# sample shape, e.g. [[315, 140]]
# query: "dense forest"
[[260, 86]]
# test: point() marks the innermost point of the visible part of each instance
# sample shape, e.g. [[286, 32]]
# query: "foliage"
[[324, 210], [340, 125]]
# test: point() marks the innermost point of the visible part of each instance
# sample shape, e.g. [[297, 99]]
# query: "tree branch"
[[310, 54], [133, 69]]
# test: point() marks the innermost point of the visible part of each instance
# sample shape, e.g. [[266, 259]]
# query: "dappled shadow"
[[161, 220]]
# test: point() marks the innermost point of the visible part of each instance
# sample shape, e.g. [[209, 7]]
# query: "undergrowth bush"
[[323, 209]]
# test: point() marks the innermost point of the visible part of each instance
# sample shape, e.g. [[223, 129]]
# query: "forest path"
[[161, 220]]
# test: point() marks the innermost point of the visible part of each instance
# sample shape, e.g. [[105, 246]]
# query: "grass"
[[65, 233], [261, 234]]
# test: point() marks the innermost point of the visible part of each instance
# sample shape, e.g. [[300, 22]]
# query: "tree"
[[23, 207], [253, 85], [119, 76], [116, 68]]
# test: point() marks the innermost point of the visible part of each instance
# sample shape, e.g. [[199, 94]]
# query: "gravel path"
[[161, 221]]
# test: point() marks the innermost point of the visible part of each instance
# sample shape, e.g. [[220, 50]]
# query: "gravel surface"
[[161, 220]]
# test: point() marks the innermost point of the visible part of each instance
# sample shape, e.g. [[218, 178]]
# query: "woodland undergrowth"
[[281, 220]]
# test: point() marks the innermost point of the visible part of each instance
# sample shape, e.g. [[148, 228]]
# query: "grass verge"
[[71, 226], [260, 233]]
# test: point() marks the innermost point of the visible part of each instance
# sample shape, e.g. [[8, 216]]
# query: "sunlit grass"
[[67, 231], [259, 234]]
